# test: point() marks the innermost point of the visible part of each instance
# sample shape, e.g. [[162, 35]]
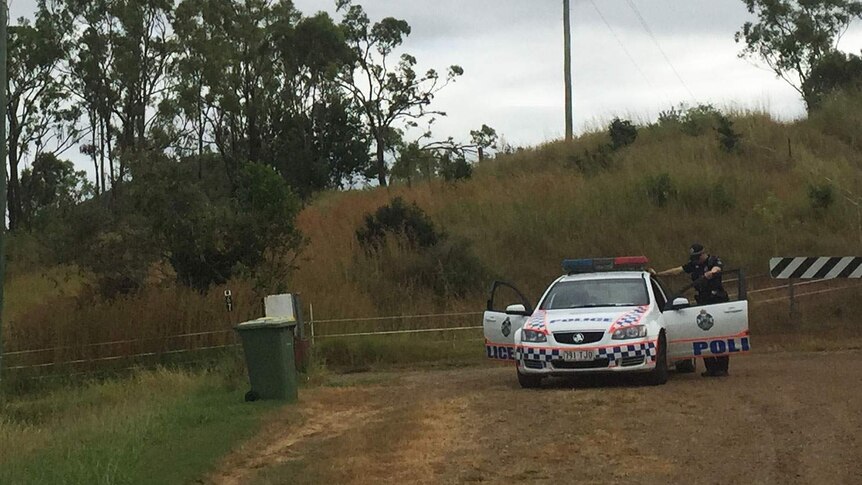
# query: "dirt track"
[[779, 418]]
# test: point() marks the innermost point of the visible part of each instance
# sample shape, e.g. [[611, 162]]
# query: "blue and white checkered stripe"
[[631, 317], [634, 350], [611, 353], [545, 355]]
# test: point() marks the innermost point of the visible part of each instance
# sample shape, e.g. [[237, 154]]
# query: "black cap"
[[695, 251]]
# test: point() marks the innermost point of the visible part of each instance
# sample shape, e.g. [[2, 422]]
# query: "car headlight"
[[635, 331], [533, 336]]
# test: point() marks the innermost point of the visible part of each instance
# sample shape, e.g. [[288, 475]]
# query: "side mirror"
[[516, 310], [678, 303]]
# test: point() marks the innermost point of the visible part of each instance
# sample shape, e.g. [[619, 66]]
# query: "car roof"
[[604, 275]]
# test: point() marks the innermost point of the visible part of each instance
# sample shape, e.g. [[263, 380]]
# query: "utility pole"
[[3, 20], [567, 49]]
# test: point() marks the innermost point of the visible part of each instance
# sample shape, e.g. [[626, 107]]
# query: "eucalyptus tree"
[[39, 118], [386, 87], [793, 36]]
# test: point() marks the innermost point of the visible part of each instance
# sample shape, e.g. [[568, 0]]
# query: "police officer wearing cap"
[[705, 272]]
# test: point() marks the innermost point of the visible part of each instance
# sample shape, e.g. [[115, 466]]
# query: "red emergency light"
[[638, 261]]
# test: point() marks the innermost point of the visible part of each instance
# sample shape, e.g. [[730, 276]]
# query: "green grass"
[[159, 426]]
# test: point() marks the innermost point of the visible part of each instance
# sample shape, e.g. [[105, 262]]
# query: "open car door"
[[502, 318], [708, 330]]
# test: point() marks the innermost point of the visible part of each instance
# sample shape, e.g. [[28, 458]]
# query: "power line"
[[623, 46], [649, 31]]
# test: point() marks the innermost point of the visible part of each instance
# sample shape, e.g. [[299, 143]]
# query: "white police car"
[[610, 315]]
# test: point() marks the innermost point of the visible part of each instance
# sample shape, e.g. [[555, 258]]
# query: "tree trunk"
[[13, 201], [141, 123], [253, 129], [381, 162], [200, 133], [93, 155], [13, 197], [111, 175], [101, 173], [200, 153]]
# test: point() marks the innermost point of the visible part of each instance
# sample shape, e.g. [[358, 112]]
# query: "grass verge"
[[156, 427]]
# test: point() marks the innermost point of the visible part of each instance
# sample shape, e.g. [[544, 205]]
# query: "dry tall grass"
[[524, 213]]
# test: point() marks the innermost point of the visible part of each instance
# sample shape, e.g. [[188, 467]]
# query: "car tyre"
[[658, 376], [528, 381], [685, 366]]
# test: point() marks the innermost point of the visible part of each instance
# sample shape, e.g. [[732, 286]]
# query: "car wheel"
[[528, 381], [685, 366], [658, 376]]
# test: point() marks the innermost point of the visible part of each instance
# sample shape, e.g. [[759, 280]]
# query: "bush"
[[455, 169], [660, 189], [451, 269], [728, 139], [720, 198], [821, 196], [672, 117], [592, 162], [700, 119], [622, 132], [120, 258], [398, 218], [407, 252], [396, 275]]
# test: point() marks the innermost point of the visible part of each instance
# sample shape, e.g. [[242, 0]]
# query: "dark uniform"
[[709, 291]]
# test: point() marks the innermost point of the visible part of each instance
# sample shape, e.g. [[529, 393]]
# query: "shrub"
[[821, 196], [398, 218], [453, 169], [451, 269], [660, 189], [720, 198], [394, 275], [728, 139], [671, 117], [622, 132], [407, 252], [700, 119], [120, 258], [591, 162]]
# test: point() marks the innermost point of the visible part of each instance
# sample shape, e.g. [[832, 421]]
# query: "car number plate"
[[578, 355]]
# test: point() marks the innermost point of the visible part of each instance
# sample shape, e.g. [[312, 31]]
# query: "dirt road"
[[779, 418]]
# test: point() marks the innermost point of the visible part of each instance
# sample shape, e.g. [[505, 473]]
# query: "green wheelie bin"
[[268, 344]]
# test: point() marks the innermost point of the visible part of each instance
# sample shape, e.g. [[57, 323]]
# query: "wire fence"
[[89, 357]]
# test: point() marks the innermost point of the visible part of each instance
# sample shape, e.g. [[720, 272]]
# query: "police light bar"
[[596, 265]]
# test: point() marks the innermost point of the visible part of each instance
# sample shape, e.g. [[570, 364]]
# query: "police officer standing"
[[705, 272]]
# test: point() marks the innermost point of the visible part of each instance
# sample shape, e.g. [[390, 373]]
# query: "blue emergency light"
[[596, 265]]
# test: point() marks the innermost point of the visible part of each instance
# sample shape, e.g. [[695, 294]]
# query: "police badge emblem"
[[705, 321], [507, 327]]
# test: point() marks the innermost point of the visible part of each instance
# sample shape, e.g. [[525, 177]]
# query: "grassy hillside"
[[527, 211], [522, 213]]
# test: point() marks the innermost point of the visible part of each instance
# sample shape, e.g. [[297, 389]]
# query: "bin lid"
[[267, 322]]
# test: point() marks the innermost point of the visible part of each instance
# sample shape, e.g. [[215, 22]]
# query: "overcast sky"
[[512, 55]]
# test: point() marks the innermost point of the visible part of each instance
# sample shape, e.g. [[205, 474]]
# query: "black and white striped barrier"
[[820, 268]]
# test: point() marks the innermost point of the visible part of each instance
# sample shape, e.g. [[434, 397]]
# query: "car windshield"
[[596, 293]]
